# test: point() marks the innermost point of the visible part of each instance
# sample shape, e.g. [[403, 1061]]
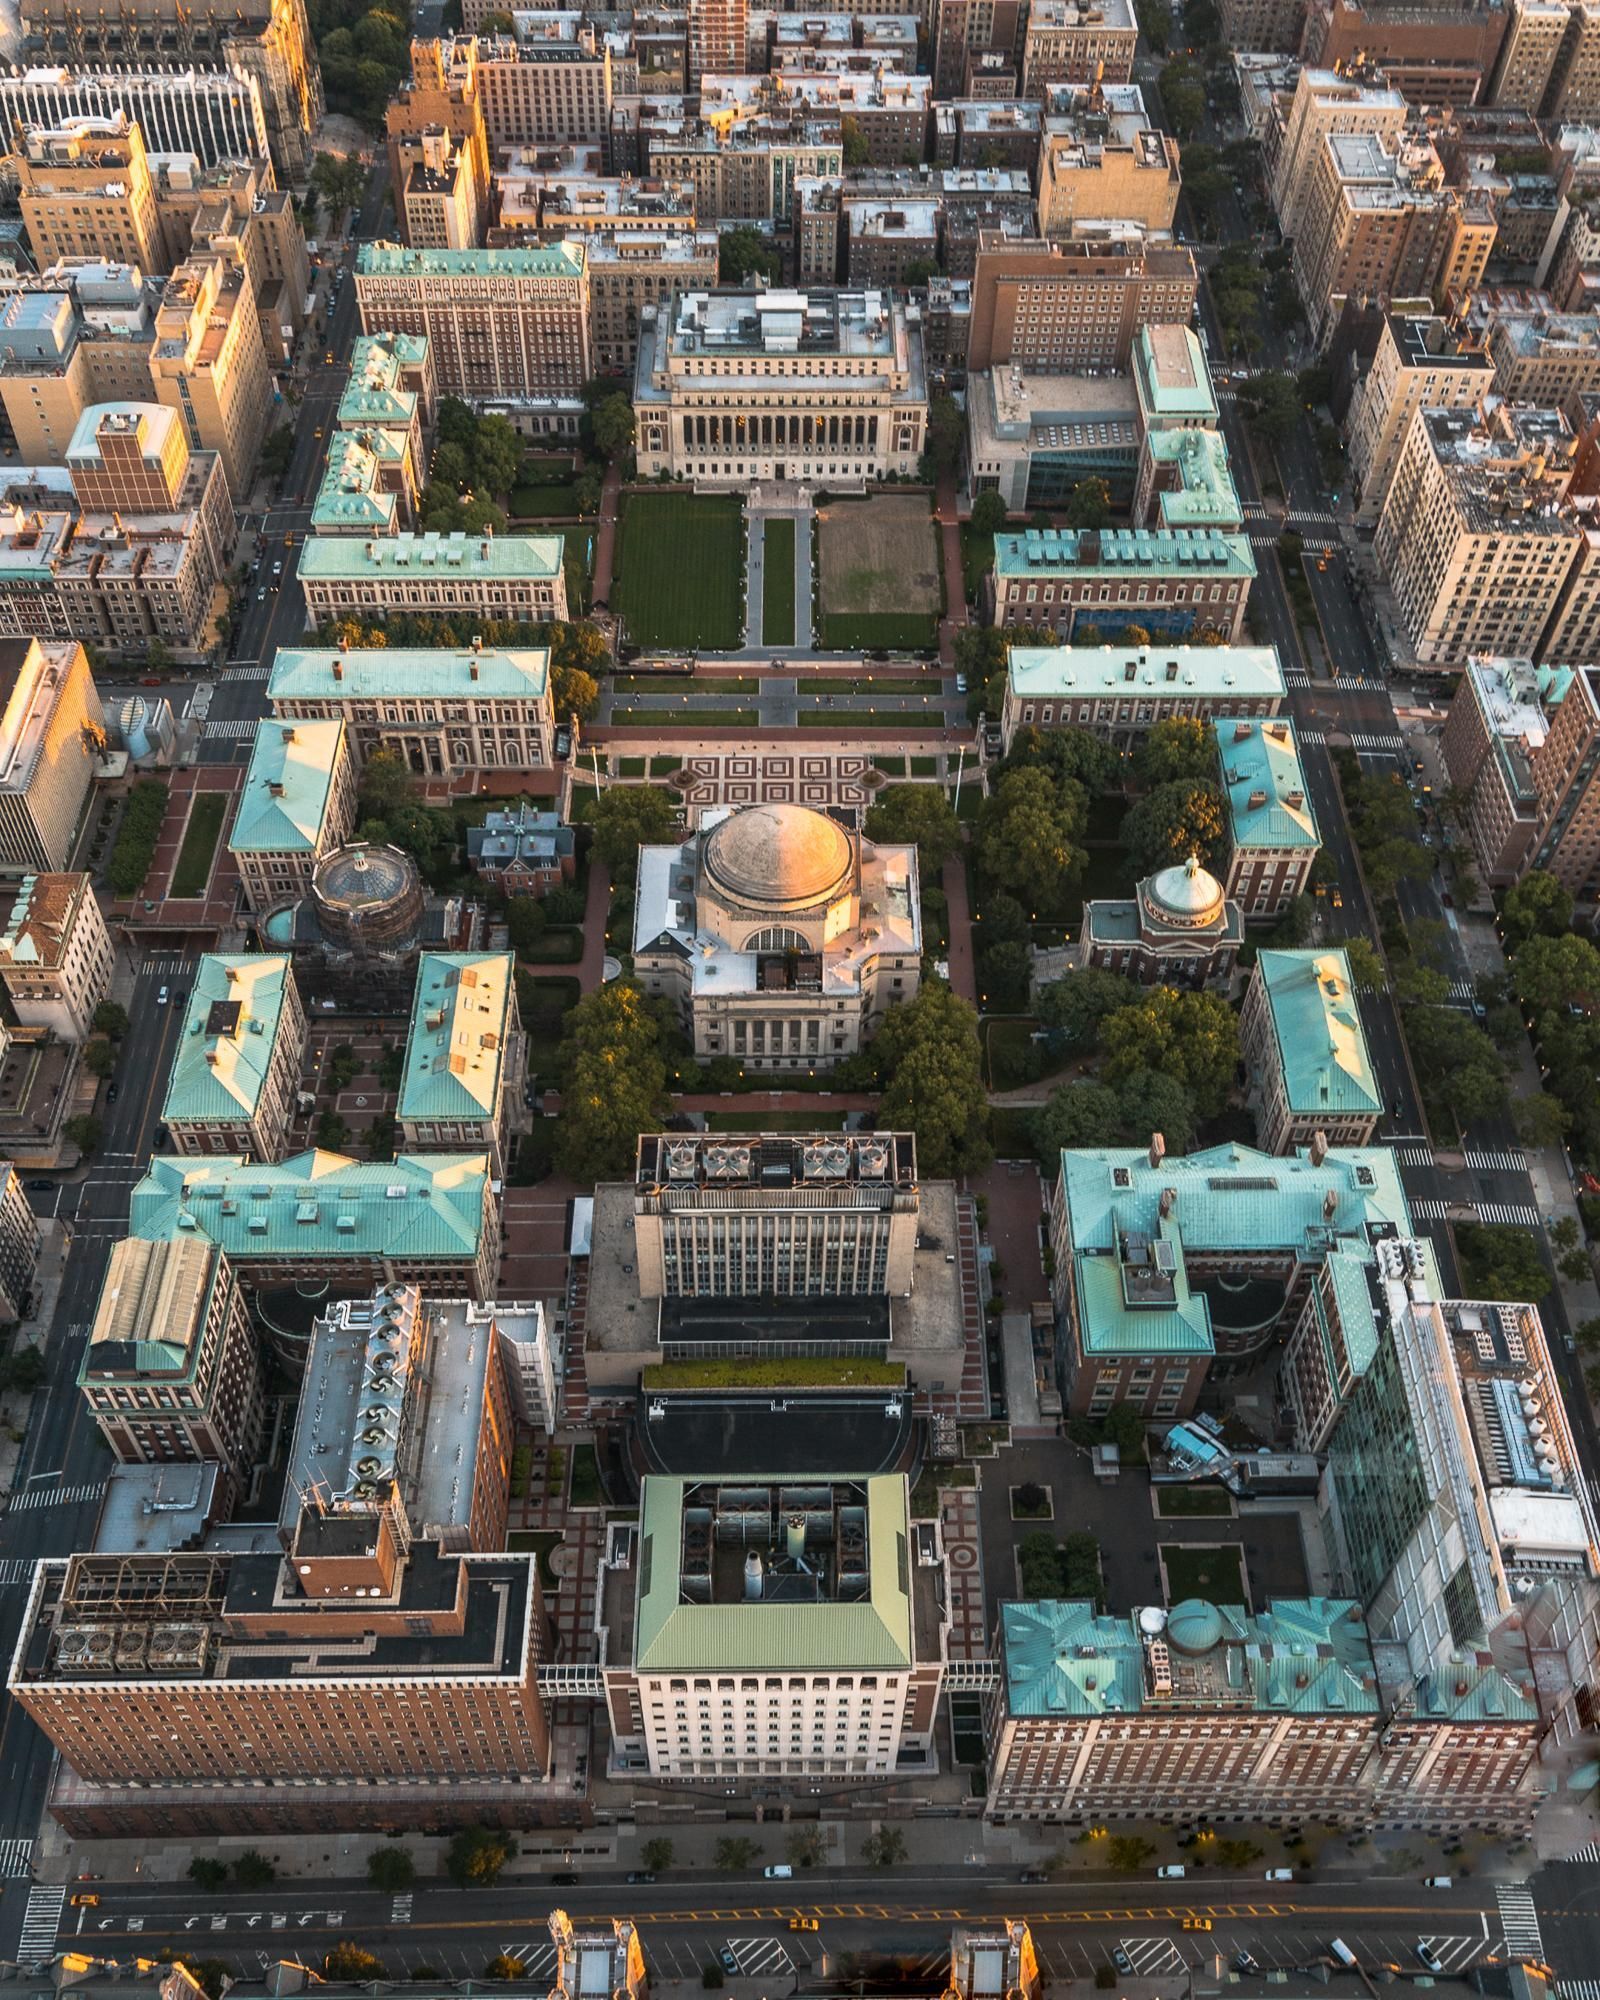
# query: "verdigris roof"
[[380, 673], [284, 805], [1177, 673], [460, 1019], [1061, 1659], [1321, 1043], [671, 1636], [1136, 1299], [230, 1029], [1268, 803], [318, 1205]]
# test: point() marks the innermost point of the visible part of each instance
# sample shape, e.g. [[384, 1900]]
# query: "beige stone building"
[[960, 27], [745, 167], [797, 939], [1107, 162], [66, 344], [55, 954], [297, 805], [466, 1057], [824, 386], [1529, 54], [549, 91], [718, 37], [237, 1069], [517, 577], [437, 198], [51, 730], [1421, 362], [86, 191], [1271, 27], [1325, 105], [1472, 537], [635, 268], [442, 96], [1494, 735], [1077, 41], [208, 364]]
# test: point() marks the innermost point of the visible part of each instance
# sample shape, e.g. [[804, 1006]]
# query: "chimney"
[[1330, 1201], [1169, 1201], [1158, 1149], [288, 736], [338, 670], [473, 670], [795, 1536], [211, 1057], [1319, 1147], [275, 788], [753, 1583]]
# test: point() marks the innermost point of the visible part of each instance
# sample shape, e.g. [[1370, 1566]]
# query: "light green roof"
[[1205, 495], [318, 1206], [1268, 802], [335, 558], [671, 1636], [1358, 1315], [539, 260], [1180, 673], [352, 494], [1321, 1043], [287, 789], [1135, 1299], [1304, 1655], [1144, 552], [222, 1061], [386, 409], [1467, 1692], [405, 673], [1171, 376], [460, 1018]]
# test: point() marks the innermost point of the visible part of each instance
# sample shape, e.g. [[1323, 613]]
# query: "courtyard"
[[880, 584]]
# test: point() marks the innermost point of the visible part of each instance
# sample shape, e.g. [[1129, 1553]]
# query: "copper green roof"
[[400, 673], [1198, 554], [230, 1029], [1134, 1298], [461, 1017], [541, 260], [1268, 803], [284, 805], [461, 557], [671, 1636], [1322, 1045]]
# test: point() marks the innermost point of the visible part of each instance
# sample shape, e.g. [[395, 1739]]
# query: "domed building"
[[783, 936], [1179, 929]]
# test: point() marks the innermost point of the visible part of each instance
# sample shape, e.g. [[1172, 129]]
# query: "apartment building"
[[841, 395], [465, 1057], [237, 1070], [718, 38], [1378, 222], [508, 325], [1089, 584], [1147, 1248], [1470, 536], [742, 168], [1077, 41], [55, 954], [81, 337], [1273, 836], [1076, 303], [1529, 54], [86, 191], [545, 92], [1543, 357], [890, 243], [19, 1246], [1103, 161], [515, 577], [847, 44], [886, 108], [1306, 1052], [391, 389], [1430, 55], [51, 728], [1271, 27], [208, 363], [778, 1633], [214, 116], [1120, 691], [800, 938], [298, 804], [566, 195], [430, 1220], [456, 713], [1421, 361], [1498, 724], [234, 212], [1324, 106], [963, 27], [984, 132], [632, 269], [1567, 844], [172, 1370], [980, 199], [442, 96], [436, 199]]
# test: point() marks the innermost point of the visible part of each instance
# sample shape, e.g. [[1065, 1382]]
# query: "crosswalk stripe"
[[1498, 1163], [41, 1921], [400, 1909], [247, 673], [236, 732], [1416, 1156], [1368, 740], [1427, 1210], [1313, 736], [1509, 1214], [16, 1859], [1580, 1989], [1589, 1854], [54, 1496], [1521, 1922], [16, 1569]]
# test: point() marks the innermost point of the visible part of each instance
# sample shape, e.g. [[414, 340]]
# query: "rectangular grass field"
[[777, 584], [880, 589], [679, 570], [200, 836]]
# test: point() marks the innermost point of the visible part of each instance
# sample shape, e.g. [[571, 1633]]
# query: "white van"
[[1173, 1872], [779, 1871], [1343, 1953], [1279, 1875]]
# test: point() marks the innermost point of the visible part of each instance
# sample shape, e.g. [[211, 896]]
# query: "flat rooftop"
[[773, 1433], [692, 1165], [1185, 672]]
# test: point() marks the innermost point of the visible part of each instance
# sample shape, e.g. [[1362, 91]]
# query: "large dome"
[[1188, 895], [1194, 1626], [778, 858]]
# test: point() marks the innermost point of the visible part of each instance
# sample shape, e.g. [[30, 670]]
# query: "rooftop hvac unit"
[[681, 1156]]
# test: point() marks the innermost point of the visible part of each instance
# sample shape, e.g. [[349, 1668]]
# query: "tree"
[[111, 1018], [1128, 1852], [745, 252], [391, 1869], [626, 818], [1461, 1064], [920, 815], [733, 1852], [988, 513], [1074, 1114], [352, 1963], [525, 924], [504, 1966], [1187, 816], [884, 1849], [277, 451], [1089, 504], [1548, 972], [614, 1080], [1181, 746], [1274, 404], [853, 143], [1075, 1006], [1004, 920], [1238, 1854], [806, 1847], [1005, 971], [1151, 1101], [1069, 753], [475, 1858], [918, 271], [1183, 95], [947, 432], [657, 1855], [927, 1052], [1366, 967], [1537, 906], [1030, 831], [1191, 1037], [1155, 24], [612, 427], [1539, 1119], [99, 1058], [1498, 1262], [387, 786], [252, 1870], [208, 1873], [84, 1132], [586, 490]]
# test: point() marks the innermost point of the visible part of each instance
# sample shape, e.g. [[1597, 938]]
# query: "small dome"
[[1194, 1626], [1188, 895], [778, 857]]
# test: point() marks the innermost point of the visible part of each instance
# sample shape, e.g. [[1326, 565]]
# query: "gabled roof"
[[318, 1206], [381, 672], [284, 805], [1268, 803], [225, 1047], [1321, 1043], [461, 1013]]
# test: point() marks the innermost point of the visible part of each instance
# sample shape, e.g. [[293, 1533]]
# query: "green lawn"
[[680, 568], [820, 1371], [541, 502], [924, 767], [1215, 1574], [868, 685], [199, 847], [563, 946], [685, 684], [891, 767], [1173, 1503], [977, 558], [878, 631], [684, 718], [777, 584], [663, 767], [586, 1490], [540, 1542]]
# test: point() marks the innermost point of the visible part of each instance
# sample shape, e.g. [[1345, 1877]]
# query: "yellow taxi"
[[1197, 1923], [802, 1923]]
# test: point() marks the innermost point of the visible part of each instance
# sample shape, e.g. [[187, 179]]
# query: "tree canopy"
[[1179, 746], [1560, 971], [1069, 753], [745, 252], [1192, 1037], [611, 426], [626, 818], [1030, 833], [927, 1053], [1187, 816], [922, 815], [1076, 1006], [988, 513], [1500, 1262], [613, 1081], [1537, 906]]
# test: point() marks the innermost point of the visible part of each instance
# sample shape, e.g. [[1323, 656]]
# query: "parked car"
[[1121, 1960], [1243, 1962], [1279, 1875], [640, 1875], [802, 1923], [1428, 1957], [1197, 1923], [41, 1187], [1439, 1882], [1173, 1872], [729, 1962]]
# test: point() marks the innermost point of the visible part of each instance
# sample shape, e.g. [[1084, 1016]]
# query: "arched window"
[[778, 938]]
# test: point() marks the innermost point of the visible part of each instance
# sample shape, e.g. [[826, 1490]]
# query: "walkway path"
[[589, 968], [605, 541], [955, 587], [963, 978], [755, 570]]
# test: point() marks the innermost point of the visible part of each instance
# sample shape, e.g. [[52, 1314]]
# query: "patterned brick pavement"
[[963, 1545], [786, 777]]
